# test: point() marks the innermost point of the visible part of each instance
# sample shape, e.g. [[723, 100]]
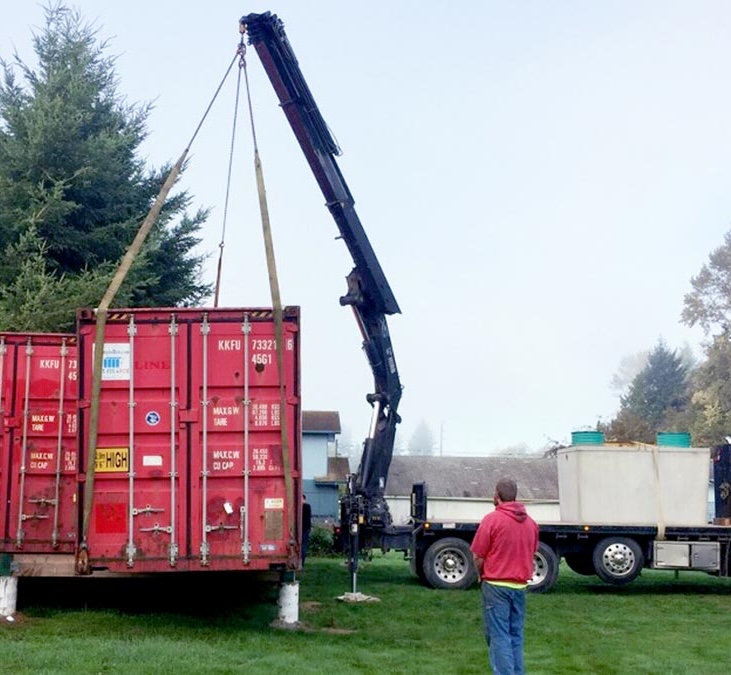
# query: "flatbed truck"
[[616, 553]]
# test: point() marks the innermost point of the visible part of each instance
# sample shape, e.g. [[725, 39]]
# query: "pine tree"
[[71, 179], [657, 398]]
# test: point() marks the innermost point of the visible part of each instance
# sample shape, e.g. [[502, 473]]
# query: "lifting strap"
[[277, 310], [82, 561], [242, 64]]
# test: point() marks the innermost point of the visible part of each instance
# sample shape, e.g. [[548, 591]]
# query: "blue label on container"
[[152, 418]]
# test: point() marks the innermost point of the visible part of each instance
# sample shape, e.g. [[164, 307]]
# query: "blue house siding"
[[323, 499], [322, 470], [314, 455]]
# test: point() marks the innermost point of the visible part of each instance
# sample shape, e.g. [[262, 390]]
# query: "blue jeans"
[[504, 614]]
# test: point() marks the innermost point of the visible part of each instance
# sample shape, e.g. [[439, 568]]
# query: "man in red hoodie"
[[503, 549]]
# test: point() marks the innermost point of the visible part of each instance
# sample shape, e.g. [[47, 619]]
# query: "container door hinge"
[[173, 553], [131, 553], [205, 550]]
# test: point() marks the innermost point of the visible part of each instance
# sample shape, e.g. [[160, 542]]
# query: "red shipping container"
[[38, 443], [190, 473]]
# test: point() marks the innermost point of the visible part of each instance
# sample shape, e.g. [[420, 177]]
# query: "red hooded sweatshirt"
[[506, 539]]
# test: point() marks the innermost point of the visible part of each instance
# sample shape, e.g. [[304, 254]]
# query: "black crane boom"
[[369, 295]]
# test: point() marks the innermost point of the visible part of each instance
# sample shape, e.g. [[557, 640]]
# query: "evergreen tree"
[[657, 398], [708, 305], [422, 440], [72, 184], [711, 401]]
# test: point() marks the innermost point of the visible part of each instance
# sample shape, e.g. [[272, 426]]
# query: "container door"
[[189, 467], [6, 388], [42, 511], [136, 511], [239, 504]]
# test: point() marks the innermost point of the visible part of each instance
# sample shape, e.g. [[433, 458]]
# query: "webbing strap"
[[277, 310], [101, 322], [82, 561], [240, 53]]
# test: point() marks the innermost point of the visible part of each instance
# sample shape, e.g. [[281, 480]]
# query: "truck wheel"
[[581, 563], [545, 569], [618, 560], [448, 564]]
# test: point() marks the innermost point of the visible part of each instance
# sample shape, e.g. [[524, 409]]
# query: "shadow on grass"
[[659, 589], [222, 599], [649, 583], [380, 570], [209, 595]]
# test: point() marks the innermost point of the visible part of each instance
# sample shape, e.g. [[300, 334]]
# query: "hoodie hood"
[[515, 510]]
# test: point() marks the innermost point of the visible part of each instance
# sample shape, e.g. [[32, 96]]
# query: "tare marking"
[[222, 413], [38, 422]]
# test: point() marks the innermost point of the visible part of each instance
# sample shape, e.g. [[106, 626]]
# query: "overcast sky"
[[540, 181]]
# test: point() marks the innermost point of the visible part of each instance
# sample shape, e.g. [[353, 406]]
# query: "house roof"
[[537, 477], [338, 470], [321, 421]]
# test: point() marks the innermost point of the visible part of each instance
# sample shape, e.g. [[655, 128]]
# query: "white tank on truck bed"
[[633, 484]]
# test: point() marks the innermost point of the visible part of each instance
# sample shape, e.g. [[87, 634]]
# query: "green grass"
[[658, 624]]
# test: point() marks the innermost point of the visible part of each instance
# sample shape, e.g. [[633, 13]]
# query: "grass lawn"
[[658, 624]]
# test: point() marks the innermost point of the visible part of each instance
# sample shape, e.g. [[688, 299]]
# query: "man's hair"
[[506, 489]]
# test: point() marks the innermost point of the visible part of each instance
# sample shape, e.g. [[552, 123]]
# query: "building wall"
[[324, 500], [323, 496], [314, 455]]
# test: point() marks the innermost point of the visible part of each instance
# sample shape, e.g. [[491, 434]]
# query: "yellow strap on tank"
[[658, 494]]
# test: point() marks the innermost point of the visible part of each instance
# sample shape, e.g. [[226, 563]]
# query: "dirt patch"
[[337, 631], [304, 627], [10, 622]]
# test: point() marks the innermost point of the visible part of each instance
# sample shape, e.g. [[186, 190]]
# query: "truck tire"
[[581, 563], [618, 560], [545, 569], [448, 564]]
